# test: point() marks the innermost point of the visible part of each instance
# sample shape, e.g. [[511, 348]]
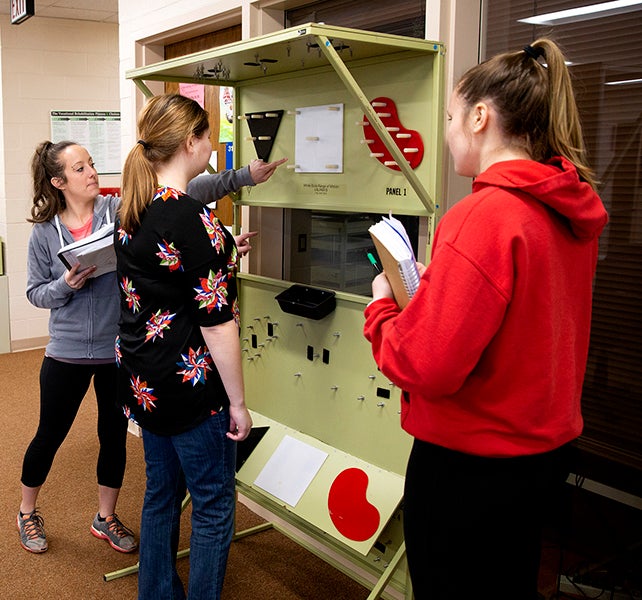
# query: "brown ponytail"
[[164, 124], [48, 200], [535, 101]]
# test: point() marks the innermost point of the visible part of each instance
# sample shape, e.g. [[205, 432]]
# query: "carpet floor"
[[267, 565]]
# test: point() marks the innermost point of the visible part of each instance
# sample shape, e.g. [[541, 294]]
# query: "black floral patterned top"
[[176, 273]]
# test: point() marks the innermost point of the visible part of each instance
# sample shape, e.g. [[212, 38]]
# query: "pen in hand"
[[373, 262]]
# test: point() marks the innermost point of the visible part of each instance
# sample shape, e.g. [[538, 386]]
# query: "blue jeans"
[[203, 459]]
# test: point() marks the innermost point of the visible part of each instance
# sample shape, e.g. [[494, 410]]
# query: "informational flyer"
[[195, 91], [226, 110], [96, 130]]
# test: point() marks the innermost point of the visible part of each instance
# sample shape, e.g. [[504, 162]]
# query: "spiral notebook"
[[397, 258]]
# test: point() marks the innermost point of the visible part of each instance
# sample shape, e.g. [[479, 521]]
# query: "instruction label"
[[324, 189]]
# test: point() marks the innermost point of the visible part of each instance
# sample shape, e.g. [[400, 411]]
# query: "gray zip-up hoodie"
[[83, 323]]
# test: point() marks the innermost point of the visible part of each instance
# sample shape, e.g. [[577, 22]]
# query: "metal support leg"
[[383, 581], [134, 568]]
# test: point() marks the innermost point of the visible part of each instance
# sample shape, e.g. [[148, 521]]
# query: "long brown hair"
[[48, 200], [164, 124], [535, 101]]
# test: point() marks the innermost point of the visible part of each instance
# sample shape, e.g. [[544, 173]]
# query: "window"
[[606, 63], [403, 17]]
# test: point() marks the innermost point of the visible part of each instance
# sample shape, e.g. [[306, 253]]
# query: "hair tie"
[[534, 53], [144, 144]]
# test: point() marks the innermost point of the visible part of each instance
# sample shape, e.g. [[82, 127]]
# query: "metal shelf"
[[279, 53]]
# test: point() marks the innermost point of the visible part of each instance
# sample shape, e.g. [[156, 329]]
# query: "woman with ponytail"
[[491, 351], [179, 354], [67, 207], [83, 324]]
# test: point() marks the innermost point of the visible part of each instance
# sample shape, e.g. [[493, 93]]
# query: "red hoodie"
[[492, 349]]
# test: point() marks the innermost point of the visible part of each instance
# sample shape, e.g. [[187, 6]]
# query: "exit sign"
[[21, 10]]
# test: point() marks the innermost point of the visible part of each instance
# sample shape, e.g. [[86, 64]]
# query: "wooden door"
[[224, 210]]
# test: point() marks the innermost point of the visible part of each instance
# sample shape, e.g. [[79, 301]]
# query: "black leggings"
[[473, 525], [62, 389]]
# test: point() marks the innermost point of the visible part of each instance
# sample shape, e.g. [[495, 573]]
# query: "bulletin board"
[[96, 130], [363, 184]]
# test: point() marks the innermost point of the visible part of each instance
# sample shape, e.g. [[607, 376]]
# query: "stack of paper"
[[396, 255], [96, 249]]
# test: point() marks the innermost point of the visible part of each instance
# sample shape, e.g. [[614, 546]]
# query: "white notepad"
[[96, 249]]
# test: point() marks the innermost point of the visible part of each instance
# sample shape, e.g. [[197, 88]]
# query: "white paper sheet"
[[318, 142], [290, 470]]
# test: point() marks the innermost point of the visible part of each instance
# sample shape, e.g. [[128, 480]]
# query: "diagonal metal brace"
[[353, 87]]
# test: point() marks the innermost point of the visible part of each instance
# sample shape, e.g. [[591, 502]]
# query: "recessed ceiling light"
[[584, 13], [624, 82]]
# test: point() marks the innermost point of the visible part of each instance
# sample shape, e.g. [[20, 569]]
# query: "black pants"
[[473, 525], [62, 388]]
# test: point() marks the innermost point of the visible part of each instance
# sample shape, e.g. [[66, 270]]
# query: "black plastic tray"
[[305, 301]]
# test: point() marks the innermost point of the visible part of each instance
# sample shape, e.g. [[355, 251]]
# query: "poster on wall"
[[195, 91], [226, 105], [96, 130]]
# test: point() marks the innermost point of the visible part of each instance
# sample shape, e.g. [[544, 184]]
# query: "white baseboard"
[[29, 344]]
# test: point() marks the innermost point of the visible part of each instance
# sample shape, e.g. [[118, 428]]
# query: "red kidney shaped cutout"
[[353, 516]]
